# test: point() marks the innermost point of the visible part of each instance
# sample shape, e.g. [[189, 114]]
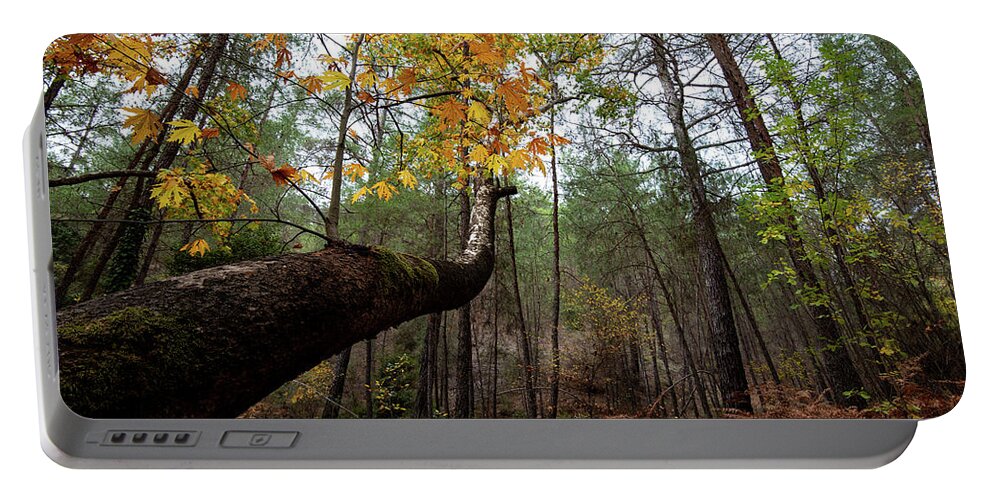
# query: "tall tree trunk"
[[332, 407], [752, 322], [463, 350], [530, 399], [446, 400], [841, 368], [334, 206], [496, 343], [556, 274], [369, 411], [663, 350], [723, 333], [422, 399]]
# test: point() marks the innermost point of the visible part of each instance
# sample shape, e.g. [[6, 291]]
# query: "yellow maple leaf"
[[478, 113], [384, 190], [170, 191], [335, 79], [367, 78], [131, 57], [360, 193], [144, 124], [496, 164], [184, 132], [479, 154], [354, 171], [196, 247], [307, 176], [517, 160], [407, 179]]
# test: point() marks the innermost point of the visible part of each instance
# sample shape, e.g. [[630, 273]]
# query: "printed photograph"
[[519, 226]]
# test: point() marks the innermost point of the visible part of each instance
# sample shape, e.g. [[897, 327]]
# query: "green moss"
[[119, 357], [402, 271]]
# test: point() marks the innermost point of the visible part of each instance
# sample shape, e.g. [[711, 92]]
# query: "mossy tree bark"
[[211, 343]]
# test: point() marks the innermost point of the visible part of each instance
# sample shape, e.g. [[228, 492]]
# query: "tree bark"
[[211, 343], [530, 399], [332, 408], [842, 371], [556, 275], [723, 333], [334, 207], [463, 347], [53, 90], [369, 411], [752, 322]]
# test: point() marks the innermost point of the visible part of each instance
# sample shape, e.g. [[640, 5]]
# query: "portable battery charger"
[[486, 250]]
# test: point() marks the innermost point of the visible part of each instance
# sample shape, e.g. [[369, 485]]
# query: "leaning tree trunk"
[[841, 368], [211, 343]]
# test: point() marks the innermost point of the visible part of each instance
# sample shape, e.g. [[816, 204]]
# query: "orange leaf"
[[365, 97], [313, 84], [485, 53], [514, 95], [557, 140], [237, 91], [538, 146], [210, 133], [451, 112], [284, 174], [408, 77]]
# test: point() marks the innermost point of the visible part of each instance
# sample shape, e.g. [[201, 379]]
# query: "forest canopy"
[[501, 225]]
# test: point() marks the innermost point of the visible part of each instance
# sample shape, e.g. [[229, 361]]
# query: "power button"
[[258, 439]]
